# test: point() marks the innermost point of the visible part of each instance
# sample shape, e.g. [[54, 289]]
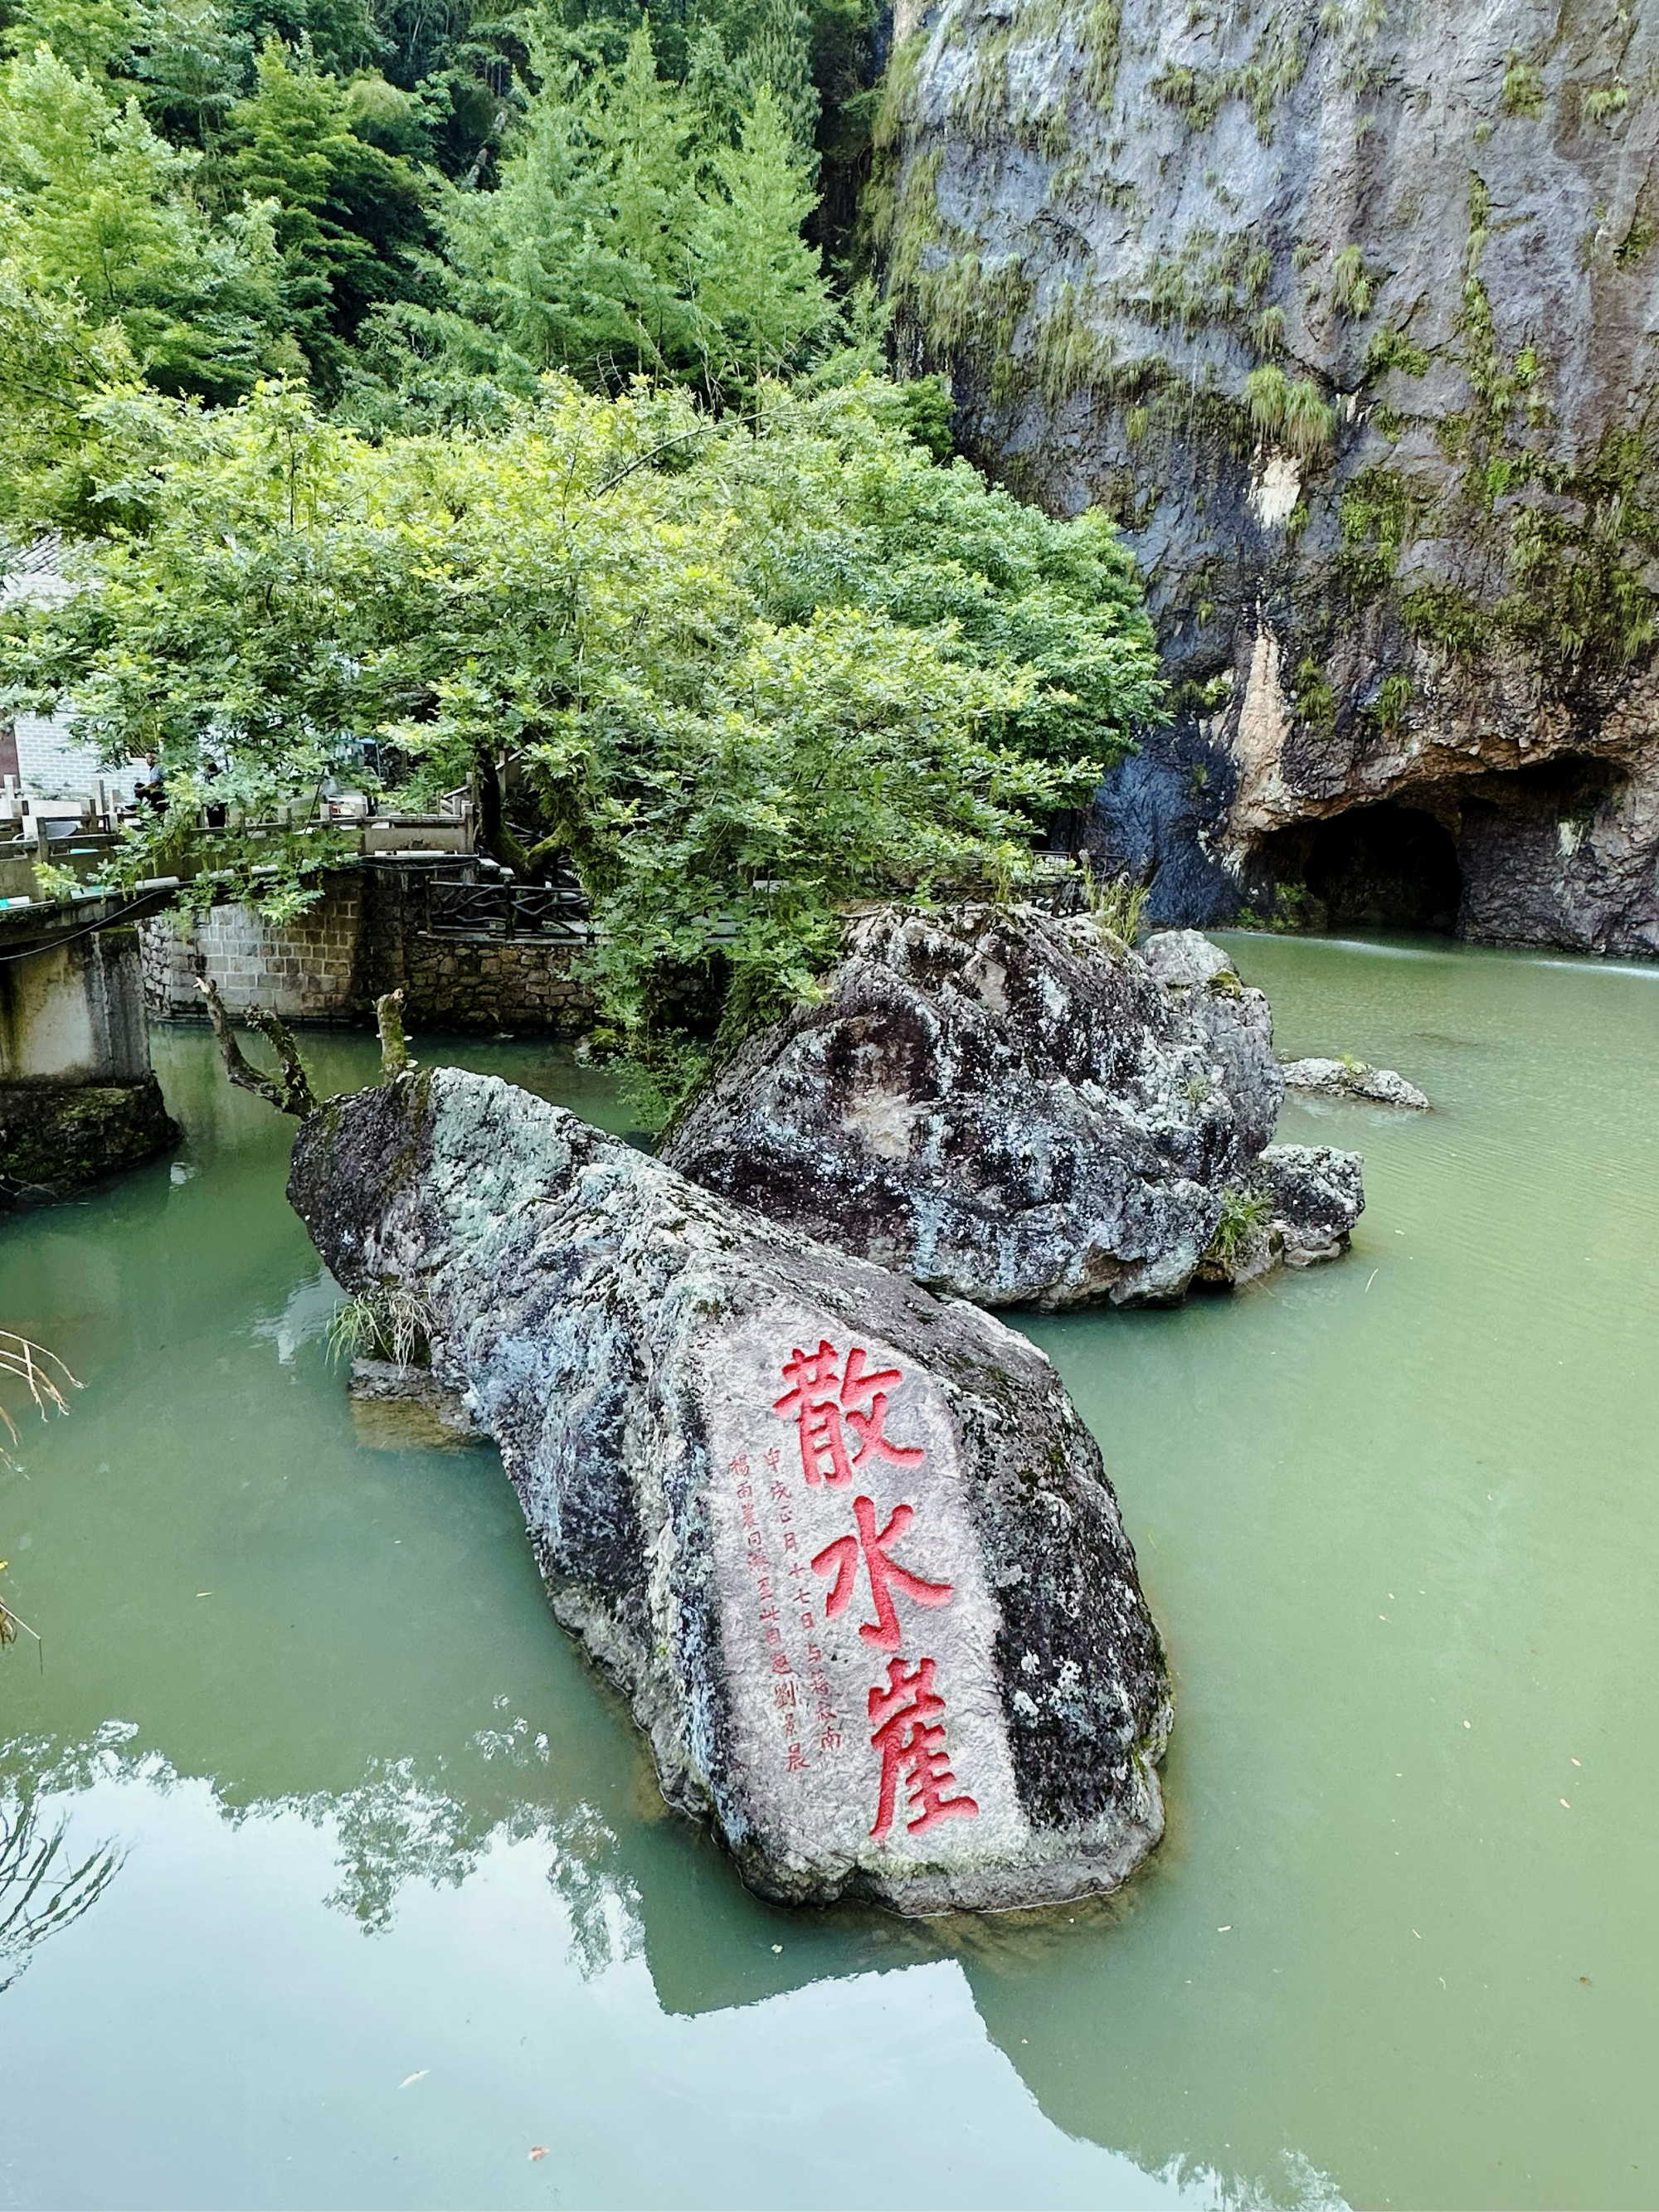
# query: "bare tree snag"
[[395, 1060], [290, 1091]]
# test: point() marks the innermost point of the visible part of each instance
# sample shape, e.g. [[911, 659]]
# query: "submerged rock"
[[397, 1406], [847, 1547], [1011, 1106], [1352, 1078]]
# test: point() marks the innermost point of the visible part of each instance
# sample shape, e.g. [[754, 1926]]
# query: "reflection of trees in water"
[[1100, 2074], [395, 1826], [42, 1888]]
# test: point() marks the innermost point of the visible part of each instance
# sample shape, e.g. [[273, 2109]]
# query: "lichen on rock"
[[57, 1138]]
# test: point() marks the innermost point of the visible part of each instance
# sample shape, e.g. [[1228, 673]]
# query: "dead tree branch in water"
[[33, 1366], [395, 1059], [290, 1091]]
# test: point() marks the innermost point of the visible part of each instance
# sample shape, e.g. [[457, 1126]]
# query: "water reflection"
[[661, 1895], [42, 1889], [382, 1824]]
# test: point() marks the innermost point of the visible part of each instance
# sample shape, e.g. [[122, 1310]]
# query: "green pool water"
[[367, 1894]]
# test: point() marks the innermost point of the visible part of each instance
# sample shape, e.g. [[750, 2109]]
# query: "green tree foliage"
[[54, 361], [627, 235], [457, 200], [851, 513], [431, 390], [742, 693], [349, 214], [760, 296], [582, 258], [103, 219]]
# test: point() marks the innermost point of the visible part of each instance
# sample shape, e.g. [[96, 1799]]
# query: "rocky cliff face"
[[1346, 311]]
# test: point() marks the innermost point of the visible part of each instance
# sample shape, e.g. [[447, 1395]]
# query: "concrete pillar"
[[77, 1096]]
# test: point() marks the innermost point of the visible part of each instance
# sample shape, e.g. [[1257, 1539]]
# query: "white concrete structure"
[[37, 750]]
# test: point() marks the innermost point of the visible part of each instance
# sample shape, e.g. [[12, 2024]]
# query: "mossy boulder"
[[57, 1138]]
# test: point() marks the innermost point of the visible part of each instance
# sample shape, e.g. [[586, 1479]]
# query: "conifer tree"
[[760, 290], [104, 215]]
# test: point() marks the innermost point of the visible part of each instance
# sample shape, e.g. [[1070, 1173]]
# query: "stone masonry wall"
[[451, 984], [308, 971], [364, 936], [461, 983]]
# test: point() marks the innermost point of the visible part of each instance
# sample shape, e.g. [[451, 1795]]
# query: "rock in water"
[[1314, 1198], [848, 1549], [1008, 1105], [1352, 1078]]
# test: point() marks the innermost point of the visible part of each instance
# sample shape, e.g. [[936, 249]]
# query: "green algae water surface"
[[329, 1874]]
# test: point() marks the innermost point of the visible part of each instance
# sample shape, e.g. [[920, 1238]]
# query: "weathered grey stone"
[[1004, 1104], [1317, 1197], [1182, 959], [1352, 1078], [1235, 1021], [629, 1341]]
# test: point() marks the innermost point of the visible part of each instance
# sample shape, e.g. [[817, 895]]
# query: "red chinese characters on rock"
[[840, 1412], [909, 1735], [824, 1402], [841, 1559]]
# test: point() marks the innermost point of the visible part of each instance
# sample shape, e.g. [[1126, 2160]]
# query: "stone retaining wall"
[[364, 936], [308, 971]]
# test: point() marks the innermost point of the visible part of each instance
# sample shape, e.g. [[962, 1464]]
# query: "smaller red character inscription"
[[910, 1738], [840, 1558], [819, 1396]]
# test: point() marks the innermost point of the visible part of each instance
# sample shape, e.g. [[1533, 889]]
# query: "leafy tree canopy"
[[421, 209], [755, 668], [102, 225], [430, 387]]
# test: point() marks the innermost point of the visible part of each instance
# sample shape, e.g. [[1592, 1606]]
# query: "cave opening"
[[1387, 866]]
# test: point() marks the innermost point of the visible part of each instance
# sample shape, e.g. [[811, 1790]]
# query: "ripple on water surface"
[[375, 1896]]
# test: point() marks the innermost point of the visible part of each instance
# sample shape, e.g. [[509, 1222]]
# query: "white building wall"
[[50, 764]]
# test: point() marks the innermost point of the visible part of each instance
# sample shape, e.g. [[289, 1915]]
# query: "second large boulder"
[[1013, 1106]]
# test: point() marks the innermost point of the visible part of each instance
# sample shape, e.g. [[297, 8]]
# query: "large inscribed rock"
[[847, 1547]]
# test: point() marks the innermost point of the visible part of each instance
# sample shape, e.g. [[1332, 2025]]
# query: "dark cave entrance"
[[1374, 867]]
